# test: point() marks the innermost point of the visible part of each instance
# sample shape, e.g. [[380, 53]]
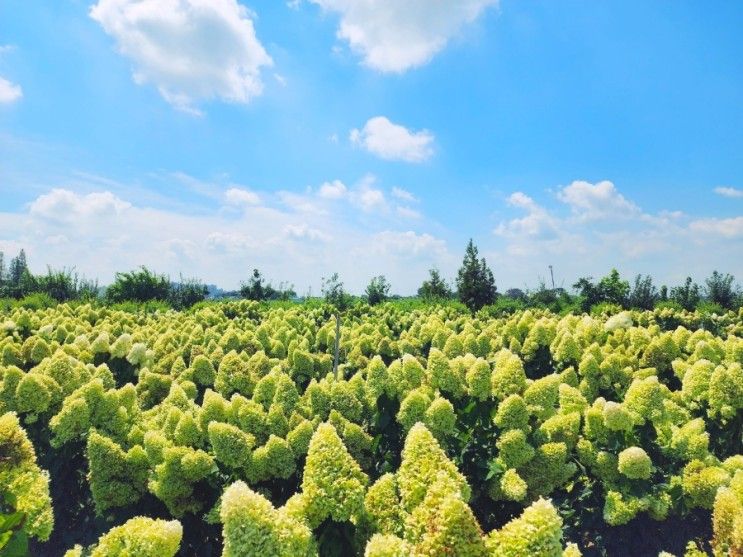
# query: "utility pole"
[[552, 275], [337, 343]]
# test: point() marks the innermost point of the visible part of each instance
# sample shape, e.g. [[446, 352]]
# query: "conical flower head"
[[143, 537], [422, 461], [538, 531], [252, 526], [333, 483], [443, 524]]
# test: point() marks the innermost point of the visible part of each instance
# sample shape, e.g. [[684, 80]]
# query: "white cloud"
[[537, 223], [407, 212], [9, 92], [102, 232], [302, 203], [333, 190], [393, 142], [241, 197], [368, 197], [407, 244], [64, 206], [396, 35], [403, 195], [597, 201], [728, 192], [596, 228], [728, 228], [304, 232], [191, 50], [228, 242]]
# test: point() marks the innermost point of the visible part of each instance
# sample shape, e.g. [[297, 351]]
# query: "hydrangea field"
[[226, 430]]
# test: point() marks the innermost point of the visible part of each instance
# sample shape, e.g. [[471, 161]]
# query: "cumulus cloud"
[[393, 142], [370, 199], [241, 197], [594, 227], [334, 197], [65, 206], [537, 223], [728, 228], [407, 244], [101, 232], [597, 201], [191, 50], [728, 191], [9, 92], [396, 35], [333, 190], [367, 196]]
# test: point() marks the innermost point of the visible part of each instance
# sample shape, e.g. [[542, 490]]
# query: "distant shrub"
[[138, 286], [37, 300], [503, 306], [606, 308]]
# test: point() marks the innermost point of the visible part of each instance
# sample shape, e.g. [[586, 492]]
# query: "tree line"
[[474, 286]]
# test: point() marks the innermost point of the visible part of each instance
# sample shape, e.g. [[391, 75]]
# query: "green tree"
[[610, 289], [719, 289], [644, 294], [613, 289], [18, 280], [687, 295], [140, 285], [187, 292], [378, 290], [257, 288], [475, 281], [334, 293], [435, 288], [18, 267], [64, 285]]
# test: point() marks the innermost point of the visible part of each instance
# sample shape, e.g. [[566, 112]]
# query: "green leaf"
[[10, 521], [17, 546]]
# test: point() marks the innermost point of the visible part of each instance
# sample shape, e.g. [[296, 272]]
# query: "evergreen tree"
[[435, 288], [19, 281], [18, 267], [475, 281], [3, 286]]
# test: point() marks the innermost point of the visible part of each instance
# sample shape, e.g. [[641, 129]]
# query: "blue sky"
[[208, 137]]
